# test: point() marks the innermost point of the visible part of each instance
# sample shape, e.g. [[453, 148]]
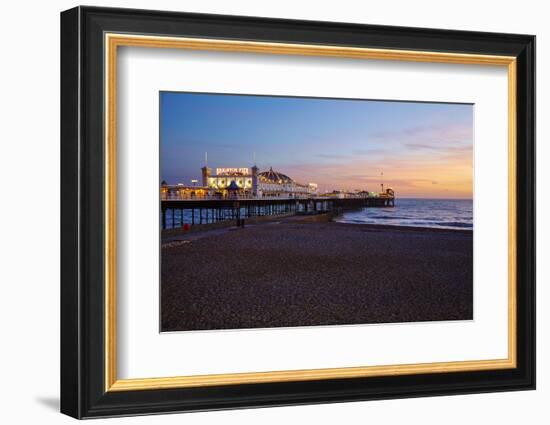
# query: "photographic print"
[[279, 211]]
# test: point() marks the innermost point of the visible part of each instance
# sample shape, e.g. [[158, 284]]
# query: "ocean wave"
[[390, 217], [456, 224], [417, 213]]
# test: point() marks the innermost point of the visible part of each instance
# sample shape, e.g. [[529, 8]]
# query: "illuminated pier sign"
[[232, 171]]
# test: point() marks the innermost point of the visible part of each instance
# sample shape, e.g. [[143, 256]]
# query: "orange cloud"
[[421, 166]]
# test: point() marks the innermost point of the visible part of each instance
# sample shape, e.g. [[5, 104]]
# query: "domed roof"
[[274, 177]]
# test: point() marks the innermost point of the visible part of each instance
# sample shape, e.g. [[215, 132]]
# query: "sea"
[[435, 213]]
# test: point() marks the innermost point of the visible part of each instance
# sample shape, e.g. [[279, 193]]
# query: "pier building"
[[275, 184], [241, 183]]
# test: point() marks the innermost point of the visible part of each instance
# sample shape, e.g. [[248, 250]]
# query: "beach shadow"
[[49, 402]]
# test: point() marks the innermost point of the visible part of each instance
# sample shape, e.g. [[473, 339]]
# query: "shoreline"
[[306, 219], [406, 228]]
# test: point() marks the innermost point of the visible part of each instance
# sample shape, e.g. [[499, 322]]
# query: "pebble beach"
[[291, 273]]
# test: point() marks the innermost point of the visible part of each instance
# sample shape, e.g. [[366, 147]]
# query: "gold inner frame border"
[[113, 40]]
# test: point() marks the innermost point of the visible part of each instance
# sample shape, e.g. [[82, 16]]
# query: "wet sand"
[[290, 273]]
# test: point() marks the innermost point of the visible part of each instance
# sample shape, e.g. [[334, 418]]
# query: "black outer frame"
[[82, 207]]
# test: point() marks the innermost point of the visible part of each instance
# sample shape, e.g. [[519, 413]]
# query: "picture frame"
[[90, 40]]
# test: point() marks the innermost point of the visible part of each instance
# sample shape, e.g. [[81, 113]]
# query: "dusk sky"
[[424, 149]]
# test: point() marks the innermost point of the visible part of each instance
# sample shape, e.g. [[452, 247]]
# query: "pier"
[[181, 212]]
